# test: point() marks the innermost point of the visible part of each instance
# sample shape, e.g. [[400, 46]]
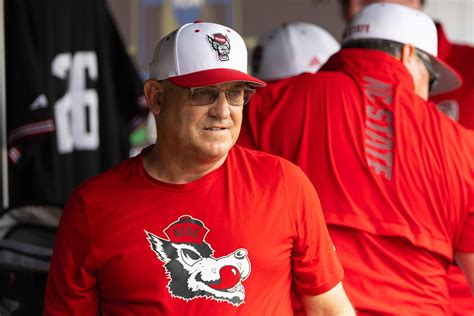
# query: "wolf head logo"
[[221, 44], [191, 268]]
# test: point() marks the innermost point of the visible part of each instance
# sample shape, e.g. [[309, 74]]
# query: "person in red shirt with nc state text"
[[195, 225], [458, 105], [394, 174]]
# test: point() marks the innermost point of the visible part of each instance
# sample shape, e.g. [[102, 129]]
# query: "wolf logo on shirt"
[[191, 267]]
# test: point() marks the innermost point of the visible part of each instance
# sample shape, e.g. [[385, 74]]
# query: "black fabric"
[[25, 256], [51, 49]]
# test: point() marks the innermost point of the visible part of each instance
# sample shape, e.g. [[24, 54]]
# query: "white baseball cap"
[[292, 49], [398, 23], [201, 54]]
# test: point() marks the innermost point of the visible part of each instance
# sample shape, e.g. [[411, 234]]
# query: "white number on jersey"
[[76, 114]]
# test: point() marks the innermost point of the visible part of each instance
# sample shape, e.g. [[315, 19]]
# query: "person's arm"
[[464, 249], [332, 302], [317, 272], [465, 261], [72, 285]]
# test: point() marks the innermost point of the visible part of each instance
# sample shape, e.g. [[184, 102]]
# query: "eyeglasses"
[[434, 76], [208, 95]]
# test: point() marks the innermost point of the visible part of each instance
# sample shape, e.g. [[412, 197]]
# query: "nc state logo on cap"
[[221, 44]]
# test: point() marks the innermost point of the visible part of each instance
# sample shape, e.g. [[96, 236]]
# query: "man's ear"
[[407, 55], [154, 93], [418, 71]]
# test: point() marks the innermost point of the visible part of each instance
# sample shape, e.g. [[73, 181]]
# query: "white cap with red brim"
[[202, 54]]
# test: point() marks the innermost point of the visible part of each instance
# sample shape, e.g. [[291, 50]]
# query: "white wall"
[[457, 17], [254, 17]]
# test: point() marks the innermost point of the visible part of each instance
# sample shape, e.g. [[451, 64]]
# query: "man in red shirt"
[[458, 105], [394, 175], [195, 225], [287, 51]]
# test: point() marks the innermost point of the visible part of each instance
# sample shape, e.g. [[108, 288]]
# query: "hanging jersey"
[[73, 96]]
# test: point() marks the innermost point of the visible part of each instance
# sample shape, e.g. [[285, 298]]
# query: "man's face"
[[199, 132], [351, 7]]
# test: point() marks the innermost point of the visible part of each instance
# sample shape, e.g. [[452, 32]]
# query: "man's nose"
[[220, 108]]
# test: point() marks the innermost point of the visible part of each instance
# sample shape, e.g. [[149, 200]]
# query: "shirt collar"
[[359, 62]]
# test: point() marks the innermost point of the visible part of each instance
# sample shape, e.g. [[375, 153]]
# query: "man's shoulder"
[[325, 83], [453, 139], [110, 177], [457, 135], [269, 172], [262, 162], [324, 77], [253, 157]]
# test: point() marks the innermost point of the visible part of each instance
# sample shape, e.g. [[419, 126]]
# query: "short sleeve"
[[465, 243], [72, 287], [316, 267]]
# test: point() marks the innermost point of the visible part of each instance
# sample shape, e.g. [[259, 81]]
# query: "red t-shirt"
[[383, 161], [461, 101], [460, 57], [233, 242]]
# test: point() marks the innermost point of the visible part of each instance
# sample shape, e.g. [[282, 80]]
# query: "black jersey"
[[73, 96]]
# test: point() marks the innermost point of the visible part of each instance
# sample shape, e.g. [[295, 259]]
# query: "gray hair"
[[391, 47]]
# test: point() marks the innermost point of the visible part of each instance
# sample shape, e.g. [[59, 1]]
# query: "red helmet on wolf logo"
[[186, 230]]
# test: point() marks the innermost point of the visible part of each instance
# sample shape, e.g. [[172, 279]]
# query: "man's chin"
[[216, 150]]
